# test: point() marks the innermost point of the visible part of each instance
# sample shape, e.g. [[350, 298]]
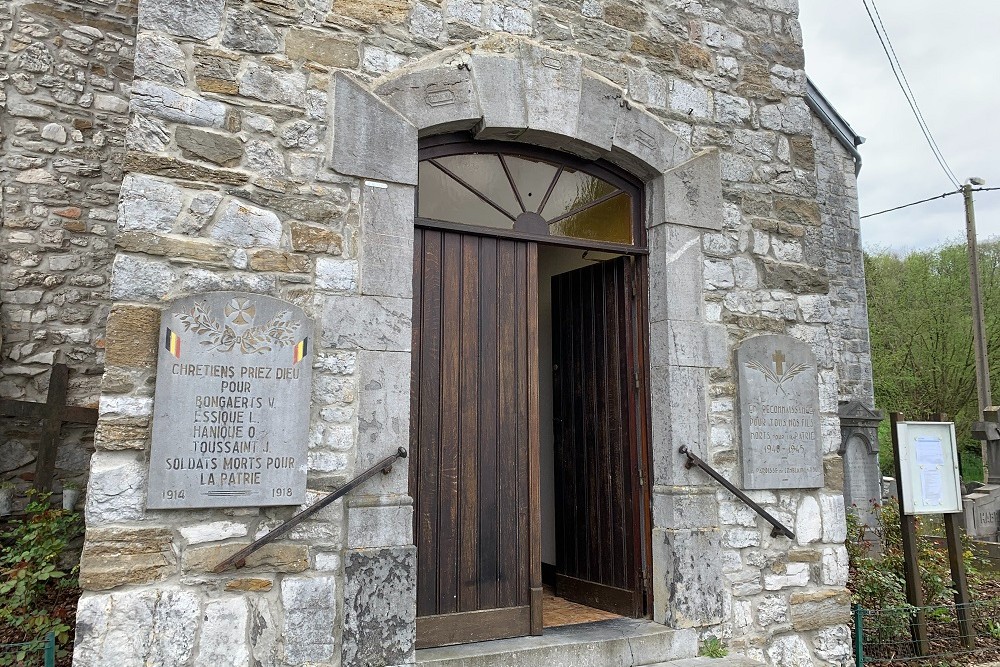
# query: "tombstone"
[[889, 489], [779, 414], [232, 403], [988, 431], [981, 508], [859, 450]]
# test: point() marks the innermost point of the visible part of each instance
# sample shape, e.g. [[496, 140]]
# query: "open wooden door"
[[473, 474], [599, 508]]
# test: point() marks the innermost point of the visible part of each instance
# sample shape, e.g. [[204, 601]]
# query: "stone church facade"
[[159, 149]]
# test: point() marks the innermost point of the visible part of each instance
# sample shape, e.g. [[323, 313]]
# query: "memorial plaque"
[[231, 410], [779, 414], [862, 477]]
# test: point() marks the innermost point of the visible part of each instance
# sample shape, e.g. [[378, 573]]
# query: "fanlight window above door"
[[526, 194]]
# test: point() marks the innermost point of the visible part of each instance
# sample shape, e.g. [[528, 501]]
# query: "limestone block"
[[310, 606], [834, 518], [435, 100], [248, 31], [790, 651], [147, 626], [159, 58], [600, 109], [676, 283], [247, 226], [373, 526], [321, 47], [224, 634], [313, 238], [834, 570], [132, 336], [221, 149], [685, 510], [264, 259], [119, 556], [264, 630], [125, 406], [792, 117], [366, 322], [787, 575], [772, 609], [808, 521], [179, 106], [552, 88], [380, 607], [693, 192], [54, 132], [279, 86], [818, 609], [202, 280], [336, 274], [680, 418], [834, 644], [145, 134], [644, 146], [687, 578], [117, 488], [370, 139], [213, 531], [200, 19], [499, 84], [696, 344], [691, 99], [148, 204], [383, 415], [387, 240], [273, 557], [169, 167]]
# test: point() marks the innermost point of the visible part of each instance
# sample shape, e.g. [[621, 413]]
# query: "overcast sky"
[[950, 52]]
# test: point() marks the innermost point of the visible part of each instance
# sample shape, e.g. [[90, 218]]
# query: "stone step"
[[728, 661], [622, 642]]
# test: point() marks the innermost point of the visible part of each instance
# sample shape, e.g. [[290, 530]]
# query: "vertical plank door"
[[597, 422], [473, 472]]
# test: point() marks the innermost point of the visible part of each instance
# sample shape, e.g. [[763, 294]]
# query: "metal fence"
[[885, 636], [30, 654]]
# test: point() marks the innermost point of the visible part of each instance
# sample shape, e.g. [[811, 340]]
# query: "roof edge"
[[840, 128]]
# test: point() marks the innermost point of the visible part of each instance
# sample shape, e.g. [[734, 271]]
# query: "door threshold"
[[620, 642]]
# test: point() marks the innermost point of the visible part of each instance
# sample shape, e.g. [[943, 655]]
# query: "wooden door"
[[474, 472], [598, 420]]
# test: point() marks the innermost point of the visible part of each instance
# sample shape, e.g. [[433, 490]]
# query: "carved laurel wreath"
[[279, 332], [779, 380]]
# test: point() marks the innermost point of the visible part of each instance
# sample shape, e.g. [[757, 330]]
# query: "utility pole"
[[978, 328]]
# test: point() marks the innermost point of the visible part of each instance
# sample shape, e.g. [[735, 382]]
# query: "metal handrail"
[[238, 559], [778, 528]]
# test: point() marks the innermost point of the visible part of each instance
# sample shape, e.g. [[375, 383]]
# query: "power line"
[[911, 100], [924, 201]]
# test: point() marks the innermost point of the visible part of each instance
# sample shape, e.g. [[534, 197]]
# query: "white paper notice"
[[929, 452], [931, 485]]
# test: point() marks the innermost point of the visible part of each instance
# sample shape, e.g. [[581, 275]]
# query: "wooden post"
[[911, 565], [52, 420]]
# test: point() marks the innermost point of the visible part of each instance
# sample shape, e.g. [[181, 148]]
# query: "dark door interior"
[[474, 431], [597, 421]]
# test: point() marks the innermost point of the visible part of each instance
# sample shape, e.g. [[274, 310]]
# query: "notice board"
[[928, 458]]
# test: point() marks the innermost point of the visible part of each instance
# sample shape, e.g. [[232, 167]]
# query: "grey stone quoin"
[[271, 148]]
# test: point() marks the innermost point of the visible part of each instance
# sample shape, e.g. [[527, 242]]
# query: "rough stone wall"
[[230, 185], [65, 73]]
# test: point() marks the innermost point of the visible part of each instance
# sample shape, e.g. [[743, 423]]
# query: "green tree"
[[920, 315]]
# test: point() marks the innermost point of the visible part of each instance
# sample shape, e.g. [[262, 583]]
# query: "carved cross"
[[779, 360]]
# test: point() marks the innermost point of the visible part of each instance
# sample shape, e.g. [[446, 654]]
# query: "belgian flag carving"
[[300, 351], [173, 343]]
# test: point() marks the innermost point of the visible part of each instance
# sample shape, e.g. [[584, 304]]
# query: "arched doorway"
[[528, 399]]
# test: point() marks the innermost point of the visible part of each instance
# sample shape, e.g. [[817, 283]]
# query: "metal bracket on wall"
[[777, 528]]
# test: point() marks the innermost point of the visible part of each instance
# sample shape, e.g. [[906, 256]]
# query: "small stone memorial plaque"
[[231, 409], [779, 414]]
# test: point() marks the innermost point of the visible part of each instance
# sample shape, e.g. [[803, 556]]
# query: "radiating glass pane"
[[532, 179], [484, 173], [608, 221], [442, 198], [573, 190]]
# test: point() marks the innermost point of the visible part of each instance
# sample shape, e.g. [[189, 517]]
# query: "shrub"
[[32, 584]]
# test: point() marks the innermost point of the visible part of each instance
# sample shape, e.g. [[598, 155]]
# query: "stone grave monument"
[[859, 450], [981, 508], [779, 414]]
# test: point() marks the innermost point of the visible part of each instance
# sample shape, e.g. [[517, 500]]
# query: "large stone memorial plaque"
[[231, 409], [779, 414]]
